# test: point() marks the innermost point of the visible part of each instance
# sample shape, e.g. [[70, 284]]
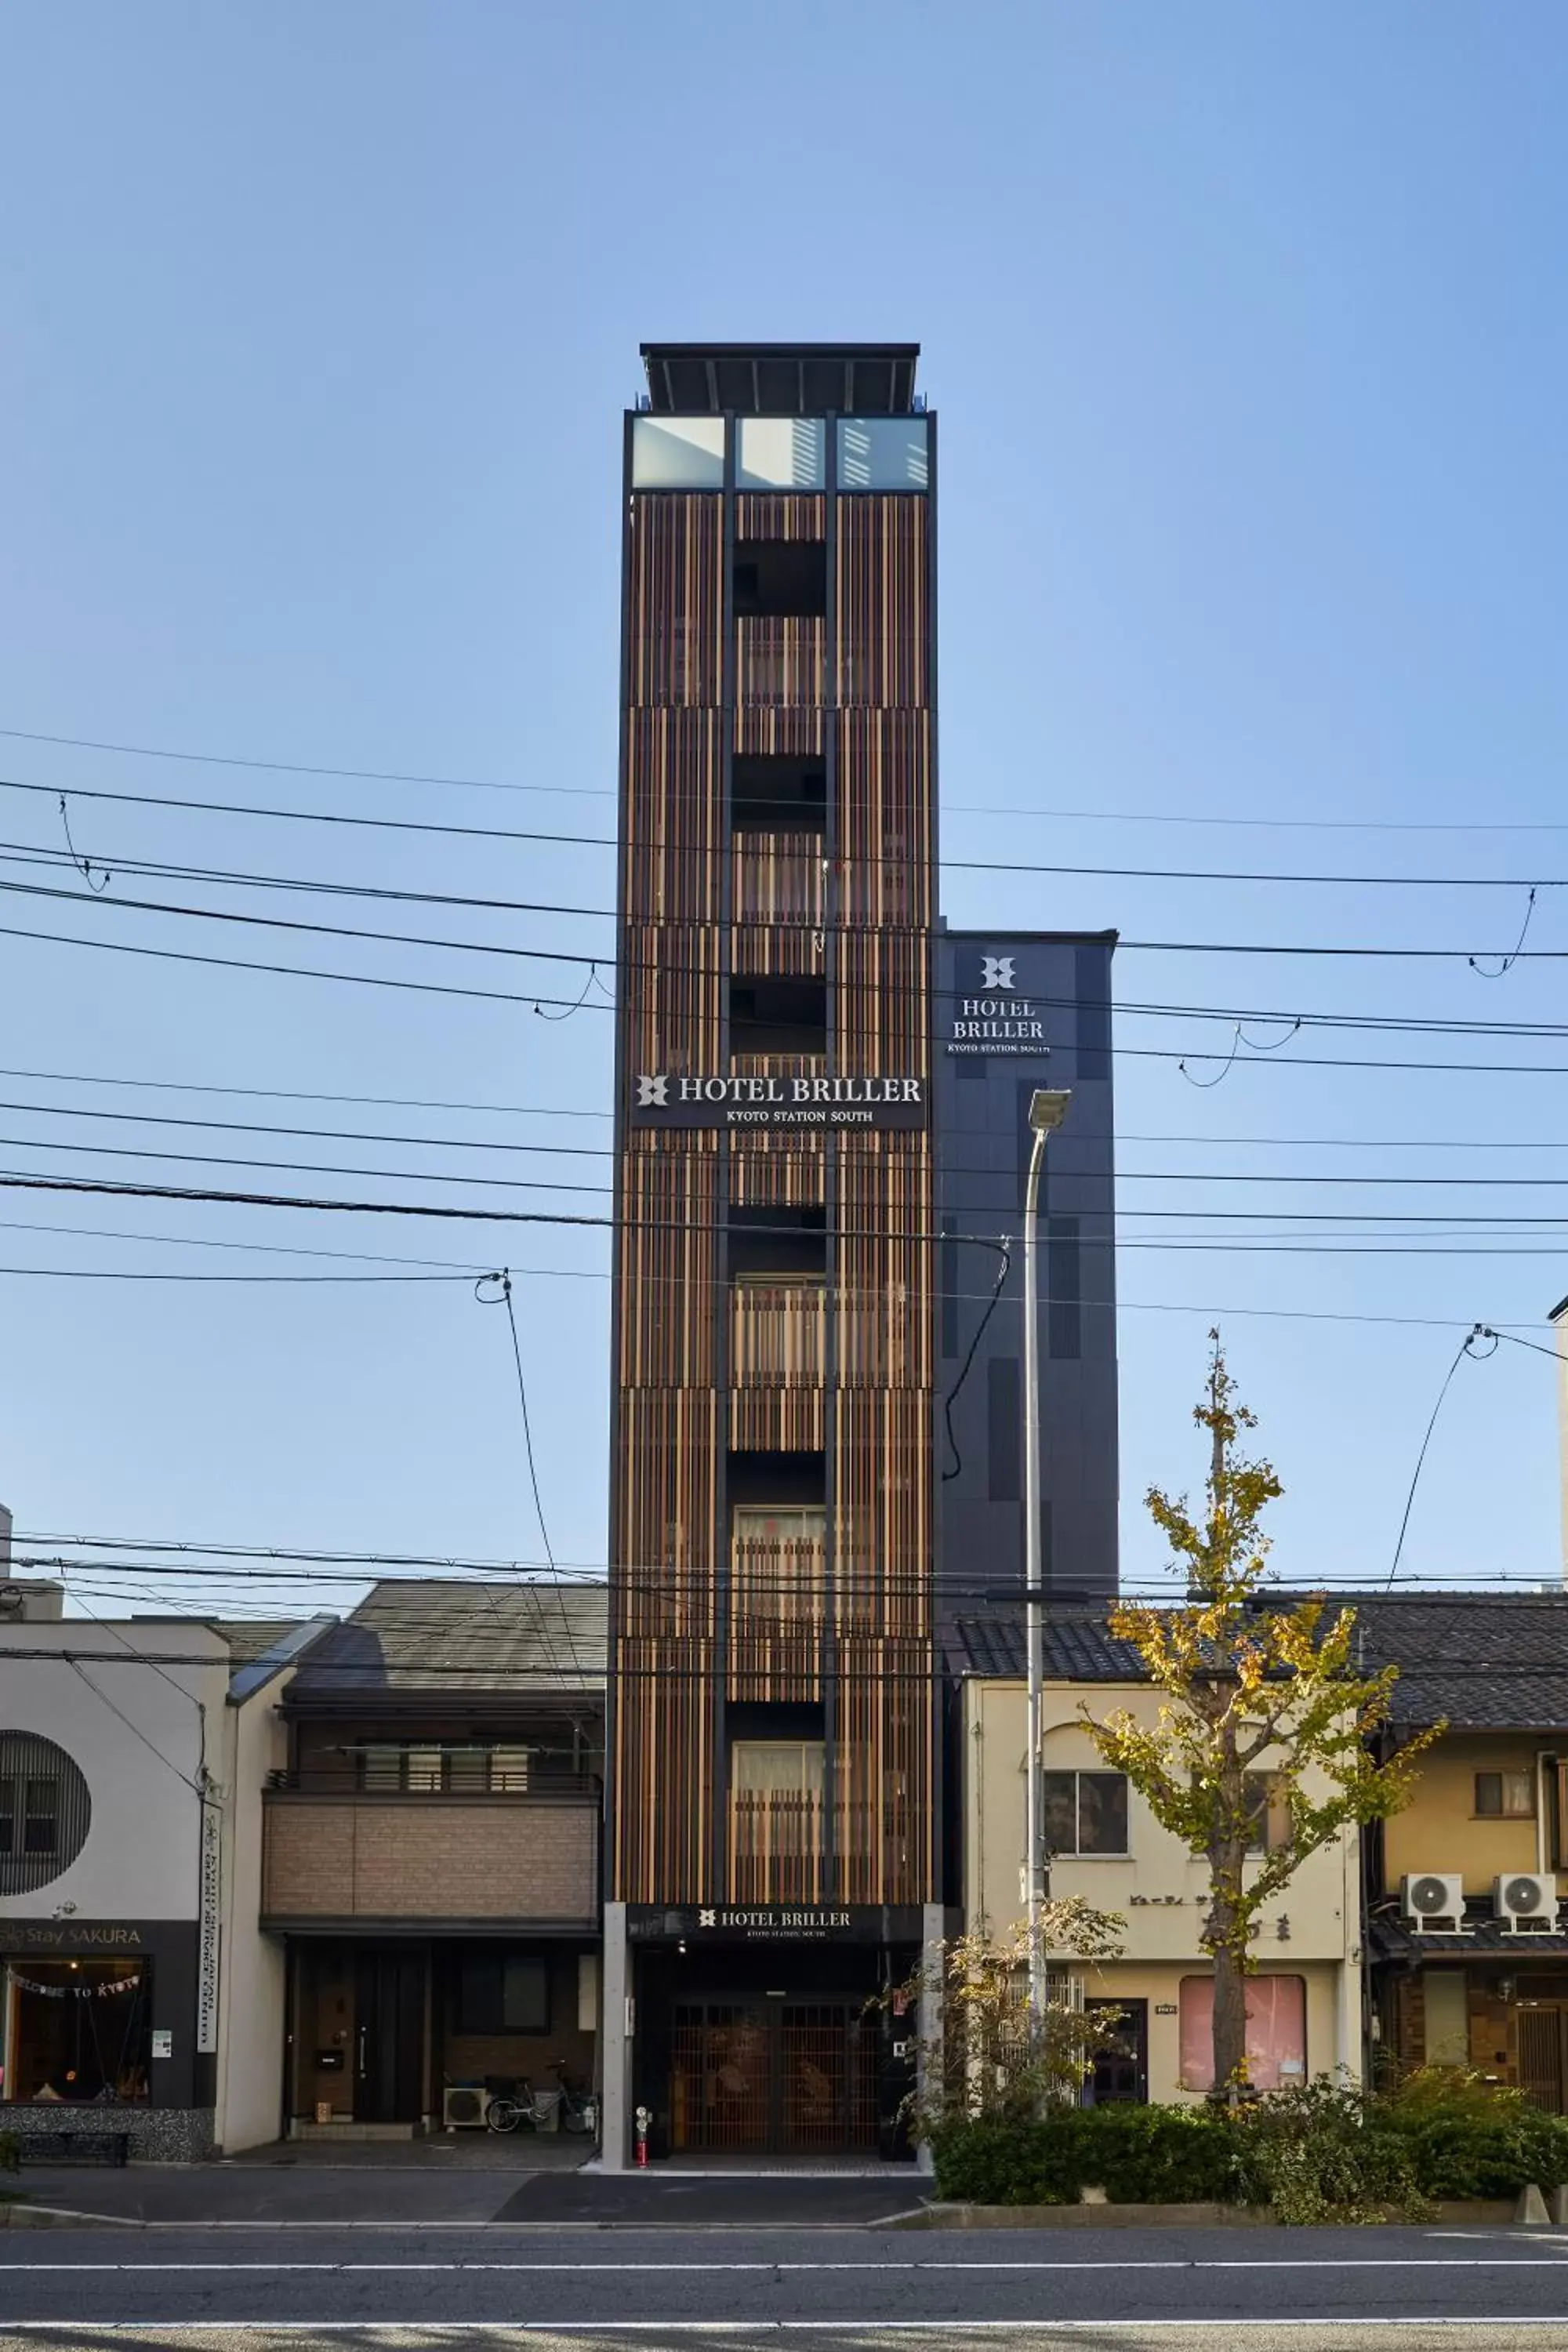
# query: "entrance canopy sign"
[[783, 1923]]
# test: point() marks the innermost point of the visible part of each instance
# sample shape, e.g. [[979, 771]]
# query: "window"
[[1086, 1812], [1268, 1812], [780, 579], [883, 453], [45, 1811], [504, 1992], [1276, 2033], [677, 453], [40, 1816], [782, 453], [1507, 1796], [776, 1768]]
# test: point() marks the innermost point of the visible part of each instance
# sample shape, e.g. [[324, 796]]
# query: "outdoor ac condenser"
[[1525, 1901], [463, 2106], [1432, 1901]]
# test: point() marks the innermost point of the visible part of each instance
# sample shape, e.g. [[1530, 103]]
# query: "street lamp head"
[[1047, 1109]]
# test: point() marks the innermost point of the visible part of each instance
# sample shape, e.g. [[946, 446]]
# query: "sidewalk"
[[414, 2196]]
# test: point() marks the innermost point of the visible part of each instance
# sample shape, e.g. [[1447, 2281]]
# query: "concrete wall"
[[1061, 987], [1440, 1829], [253, 1976], [429, 1858]]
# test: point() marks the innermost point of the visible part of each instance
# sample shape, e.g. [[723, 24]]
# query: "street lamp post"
[[1047, 1109]]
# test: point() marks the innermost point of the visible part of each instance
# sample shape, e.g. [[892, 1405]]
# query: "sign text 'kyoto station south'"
[[665, 1099]]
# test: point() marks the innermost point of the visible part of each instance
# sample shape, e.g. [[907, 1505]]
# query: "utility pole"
[[1047, 1109]]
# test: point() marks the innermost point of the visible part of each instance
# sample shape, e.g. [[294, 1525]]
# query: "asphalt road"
[[403, 2288]]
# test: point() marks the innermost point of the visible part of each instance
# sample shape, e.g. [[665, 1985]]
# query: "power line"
[[953, 865], [1443, 1143], [282, 1094], [1127, 1007], [579, 1221], [470, 1271], [503, 996], [122, 1274], [960, 808], [228, 876]]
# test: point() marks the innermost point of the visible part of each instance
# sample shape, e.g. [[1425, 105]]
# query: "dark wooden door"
[[772, 2075], [1542, 2070], [389, 2037], [1121, 2067]]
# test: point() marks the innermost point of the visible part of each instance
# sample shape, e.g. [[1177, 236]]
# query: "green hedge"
[[1157, 2156], [1315, 2153]]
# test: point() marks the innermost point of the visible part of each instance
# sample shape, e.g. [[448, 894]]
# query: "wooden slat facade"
[[702, 1621]]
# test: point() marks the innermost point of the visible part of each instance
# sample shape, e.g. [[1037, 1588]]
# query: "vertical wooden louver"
[[704, 1618]]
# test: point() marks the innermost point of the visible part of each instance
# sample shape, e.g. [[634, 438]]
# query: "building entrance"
[[774, 2076], [389, 2036]]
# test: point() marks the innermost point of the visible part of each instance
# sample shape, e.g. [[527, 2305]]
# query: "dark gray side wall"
[[982, 1151]]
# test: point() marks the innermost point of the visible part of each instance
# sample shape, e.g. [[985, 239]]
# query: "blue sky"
[[1244, 327]]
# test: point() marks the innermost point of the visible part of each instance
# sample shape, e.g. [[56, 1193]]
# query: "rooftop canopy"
[[782, 378]]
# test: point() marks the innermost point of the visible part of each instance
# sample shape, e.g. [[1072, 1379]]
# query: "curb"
[[60, 2217], [1488, 2211]]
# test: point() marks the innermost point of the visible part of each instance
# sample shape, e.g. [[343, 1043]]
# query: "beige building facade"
[[1305, 2002]]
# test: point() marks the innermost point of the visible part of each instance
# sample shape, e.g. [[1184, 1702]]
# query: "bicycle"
[[579, 2110], [509, 2111]]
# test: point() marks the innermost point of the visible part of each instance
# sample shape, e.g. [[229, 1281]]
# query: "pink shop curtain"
[[1276, 2033]]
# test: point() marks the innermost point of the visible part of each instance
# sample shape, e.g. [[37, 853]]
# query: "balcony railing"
[[781, 663], [419, 1773], [777, 877], [778, 1334]]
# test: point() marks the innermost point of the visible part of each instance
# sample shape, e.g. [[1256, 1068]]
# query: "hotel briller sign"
[[662, 1098], [996, 1020]]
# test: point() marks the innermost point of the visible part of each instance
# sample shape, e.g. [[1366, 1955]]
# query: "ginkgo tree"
[[1254, 1682]]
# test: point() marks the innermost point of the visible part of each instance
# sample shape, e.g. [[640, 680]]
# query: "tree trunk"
[[1229, 2001]]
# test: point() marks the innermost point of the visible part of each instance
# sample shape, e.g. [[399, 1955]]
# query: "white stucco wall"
[[140, 1860], [1311, 1928]]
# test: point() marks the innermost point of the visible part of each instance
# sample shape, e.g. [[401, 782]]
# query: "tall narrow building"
[[773, 1847]]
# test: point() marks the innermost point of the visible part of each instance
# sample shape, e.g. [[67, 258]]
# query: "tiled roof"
[[250, 1638], [1078, 1649], [1484, 1661], [448, 1633], [1392, 1937]]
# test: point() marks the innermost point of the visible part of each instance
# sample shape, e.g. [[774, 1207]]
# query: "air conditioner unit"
[[1525, 1902], [463, 2106], [1432, 1901]]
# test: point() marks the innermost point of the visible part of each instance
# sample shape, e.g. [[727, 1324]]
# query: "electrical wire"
[[1466, 1347], [16, 853], [955, 864], [961, 808]]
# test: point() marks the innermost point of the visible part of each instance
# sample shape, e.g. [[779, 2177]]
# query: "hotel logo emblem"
[[652, 1093], [996, 971]]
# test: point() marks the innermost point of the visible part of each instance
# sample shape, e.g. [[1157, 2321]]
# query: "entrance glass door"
[[1122, 2065]]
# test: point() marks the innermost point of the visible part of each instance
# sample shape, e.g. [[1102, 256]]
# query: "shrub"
[[1323, 2153], [10, 2152], [1158, 2155], [1009, 2163], [1470, 2137]]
